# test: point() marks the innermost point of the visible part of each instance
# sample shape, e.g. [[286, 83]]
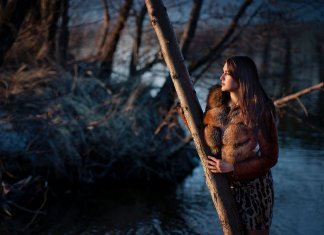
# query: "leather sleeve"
[[257, 166]]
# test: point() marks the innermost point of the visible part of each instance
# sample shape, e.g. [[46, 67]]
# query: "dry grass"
[[79, 130], [24, 80]]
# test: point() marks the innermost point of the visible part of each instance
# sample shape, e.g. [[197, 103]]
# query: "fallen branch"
[[279, 103]]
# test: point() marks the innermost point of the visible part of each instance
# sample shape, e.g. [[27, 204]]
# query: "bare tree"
[[137, 41], [189, 32], [63, 34], [217, 184], [266, 56], [50, 13], [167, 101], [213, 52], [105, 27], [111, 45], [166, 94]]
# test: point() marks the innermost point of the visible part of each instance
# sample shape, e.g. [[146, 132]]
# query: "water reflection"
[[131, 211], [300, 189], [188, 208]]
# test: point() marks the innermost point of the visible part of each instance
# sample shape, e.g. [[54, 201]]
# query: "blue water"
[[299, 190], [188, 208]]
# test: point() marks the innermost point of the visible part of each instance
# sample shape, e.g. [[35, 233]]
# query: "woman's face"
[[227, 81]]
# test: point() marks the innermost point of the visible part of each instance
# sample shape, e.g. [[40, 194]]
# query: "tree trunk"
[[189, 33], [137, 41], [320, 66], [50, 13], [287, 69], [63, 34], [13, 15], [105, 28], [1, 185], [266, 56], [111, 45], [166, 95], [217, 183]]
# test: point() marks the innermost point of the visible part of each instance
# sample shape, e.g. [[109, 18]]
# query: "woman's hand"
[[219, 166]]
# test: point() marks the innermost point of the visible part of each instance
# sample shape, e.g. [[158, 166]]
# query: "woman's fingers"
[[213, 158], [214, 164], [218, 166]]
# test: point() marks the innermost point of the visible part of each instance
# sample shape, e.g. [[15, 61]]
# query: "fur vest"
[[224, 130]]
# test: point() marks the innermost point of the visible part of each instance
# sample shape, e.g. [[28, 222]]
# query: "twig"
[[22, 208], [38, 210], [303, 106], [167, 119]]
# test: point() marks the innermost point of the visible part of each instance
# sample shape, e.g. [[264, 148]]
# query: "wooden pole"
[[217, 183]]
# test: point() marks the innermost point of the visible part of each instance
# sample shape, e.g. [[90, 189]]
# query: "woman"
[[249, 107]]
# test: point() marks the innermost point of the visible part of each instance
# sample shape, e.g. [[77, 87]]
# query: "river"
[[188, 208]]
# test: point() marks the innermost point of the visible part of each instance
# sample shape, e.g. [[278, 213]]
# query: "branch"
[[229, 32], [279, 103], [137, 41], [105, 26], [226, 45], [189, 33], [111, 44]]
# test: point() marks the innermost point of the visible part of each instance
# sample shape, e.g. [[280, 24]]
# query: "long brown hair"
[[256, 106]]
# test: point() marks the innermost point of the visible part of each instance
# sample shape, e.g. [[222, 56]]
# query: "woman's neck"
[[235, 97]]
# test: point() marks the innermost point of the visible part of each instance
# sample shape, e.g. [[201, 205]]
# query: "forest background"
[[86, 98]]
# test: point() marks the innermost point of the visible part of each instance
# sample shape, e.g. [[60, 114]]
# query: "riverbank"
[[60, 132], [188, 208]]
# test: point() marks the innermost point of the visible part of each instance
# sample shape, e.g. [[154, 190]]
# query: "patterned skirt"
[[254, 200]]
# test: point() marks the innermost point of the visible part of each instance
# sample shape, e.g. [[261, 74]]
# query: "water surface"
[[188, 208]]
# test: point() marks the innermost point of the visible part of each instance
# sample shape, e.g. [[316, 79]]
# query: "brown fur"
[[225, 132], [215, 118], [215, 97], [239, 141], [237, 153], [213, 137]]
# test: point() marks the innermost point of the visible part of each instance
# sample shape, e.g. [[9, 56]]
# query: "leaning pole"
[[217, 183]]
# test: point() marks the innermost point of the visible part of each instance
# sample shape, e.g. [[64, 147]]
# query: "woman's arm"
[[259, 165]]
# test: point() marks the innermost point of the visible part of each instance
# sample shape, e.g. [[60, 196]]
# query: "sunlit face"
[[227, 81]]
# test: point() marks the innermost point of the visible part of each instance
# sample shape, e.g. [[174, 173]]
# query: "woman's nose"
[[221, 77]]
